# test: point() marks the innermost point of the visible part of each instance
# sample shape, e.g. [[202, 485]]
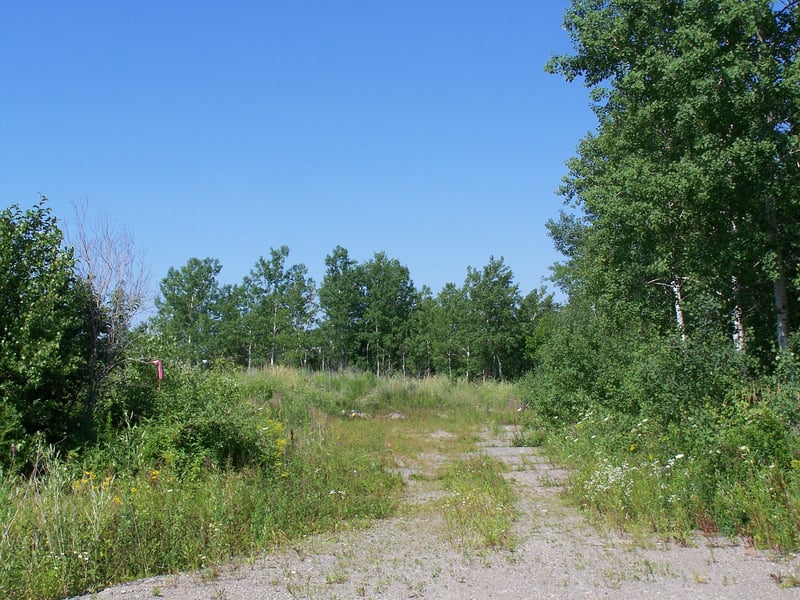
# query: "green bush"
[[197, 420], [729, 467], [207, 477]]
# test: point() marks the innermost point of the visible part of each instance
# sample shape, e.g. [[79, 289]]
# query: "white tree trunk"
[[781, 309], [675, 286], [737, 318], [779, 282], [677, 294]]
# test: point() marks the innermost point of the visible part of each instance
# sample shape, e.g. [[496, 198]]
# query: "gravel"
[[559, 554]]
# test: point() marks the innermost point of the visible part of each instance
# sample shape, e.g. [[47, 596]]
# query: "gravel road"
[[559, 555]]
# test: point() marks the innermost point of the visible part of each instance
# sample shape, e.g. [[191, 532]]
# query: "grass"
[[724, 475], [480, 509], [78, 525]]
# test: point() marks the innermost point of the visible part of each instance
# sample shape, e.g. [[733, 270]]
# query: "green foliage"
[[368, 309], [275, 309], [668, 378], [177, 489], [728, 466], [666, 434], [43, 344], [339, 299], [198, 420], [69, 530], [189, 309], [371, 318], [454, 333], [388, 299], [480, 510], [494, 300], [687, 187], [584, 362], [661, 375]]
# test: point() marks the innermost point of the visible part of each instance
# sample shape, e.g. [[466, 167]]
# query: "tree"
[[44, 339], [116, 275], [340, 301], [236, 336], [495, 300], [189, 309], [281, 305], [455, 333], [535, 317], [418, 346], [388, 299], [688, 188]]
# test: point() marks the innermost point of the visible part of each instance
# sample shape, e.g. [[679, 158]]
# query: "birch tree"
[[389, 299], [340, 302], [189, 309], [281, 305], [688, 187], [495, 301]]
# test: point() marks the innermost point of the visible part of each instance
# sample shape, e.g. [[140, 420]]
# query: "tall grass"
[[480, 510], [729, 469], [231, 466], [81, 532]]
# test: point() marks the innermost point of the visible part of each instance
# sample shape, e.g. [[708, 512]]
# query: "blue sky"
[[425, 129]]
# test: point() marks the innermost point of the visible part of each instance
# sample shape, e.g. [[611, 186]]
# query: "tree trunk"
[[675, 286], [781, 307], [737, 317], [677, 294], [779, 280]]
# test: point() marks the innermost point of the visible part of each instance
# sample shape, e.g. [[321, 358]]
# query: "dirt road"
[[558, 555]]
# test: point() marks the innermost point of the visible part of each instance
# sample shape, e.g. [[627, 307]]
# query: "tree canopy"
[[44, 341], [364, 315], [687, 192]]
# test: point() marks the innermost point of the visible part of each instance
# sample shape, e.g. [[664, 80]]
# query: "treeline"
[[74, 369], [367, 316]]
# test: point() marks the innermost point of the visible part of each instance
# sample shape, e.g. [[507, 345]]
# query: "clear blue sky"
[[425, 129]]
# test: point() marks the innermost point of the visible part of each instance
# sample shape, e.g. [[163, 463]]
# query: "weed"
[[533, 438], [335, 576], [229, 480], [480, 511], [789, 580]]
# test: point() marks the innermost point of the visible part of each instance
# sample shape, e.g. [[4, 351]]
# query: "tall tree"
[[456, 335], [495, 299], [281, 305], [688, 188], [418, 345], [535, 317], [236, 336], [114, 271], [340, 301], [389, 299], [189, 309], [44, 339]]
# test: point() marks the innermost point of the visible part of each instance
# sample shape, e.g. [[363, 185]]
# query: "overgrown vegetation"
[[670, 379], [480, 509], [725, 464], [366, 316], [230, 465]]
